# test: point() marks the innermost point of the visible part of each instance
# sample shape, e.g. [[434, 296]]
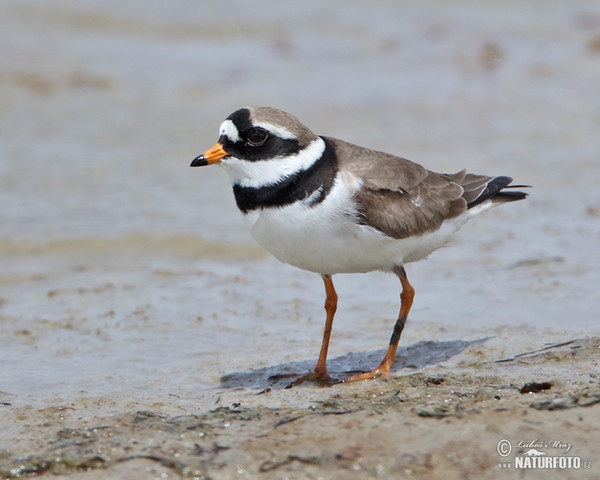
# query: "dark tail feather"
[[494, 190]]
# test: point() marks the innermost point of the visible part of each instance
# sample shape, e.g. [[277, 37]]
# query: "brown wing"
[[401, 198]]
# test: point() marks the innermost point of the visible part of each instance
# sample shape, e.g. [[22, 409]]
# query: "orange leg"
[[406, 300], [320, 372]]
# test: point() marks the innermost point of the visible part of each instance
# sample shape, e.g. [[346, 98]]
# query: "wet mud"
[[409, 426]]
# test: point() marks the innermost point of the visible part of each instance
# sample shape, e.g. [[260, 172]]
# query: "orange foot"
[[319, 377], [383, 370]]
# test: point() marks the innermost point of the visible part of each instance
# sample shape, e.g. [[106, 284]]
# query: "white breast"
[[326, 238]]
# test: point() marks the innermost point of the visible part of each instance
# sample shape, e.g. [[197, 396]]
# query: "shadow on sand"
[[414, 356]]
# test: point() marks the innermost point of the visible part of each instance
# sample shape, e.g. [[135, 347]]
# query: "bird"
[[329, 206]]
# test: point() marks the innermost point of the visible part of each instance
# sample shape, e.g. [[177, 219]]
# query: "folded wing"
[[401, 198]]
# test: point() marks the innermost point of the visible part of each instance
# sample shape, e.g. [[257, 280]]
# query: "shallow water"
[[125, 273]]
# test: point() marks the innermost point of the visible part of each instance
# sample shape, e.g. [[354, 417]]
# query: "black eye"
[[257, 136]]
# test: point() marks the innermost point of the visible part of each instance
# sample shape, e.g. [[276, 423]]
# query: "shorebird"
[[328, 206]]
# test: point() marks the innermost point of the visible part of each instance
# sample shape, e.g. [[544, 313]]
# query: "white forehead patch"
[[230, 131], [281, 132]]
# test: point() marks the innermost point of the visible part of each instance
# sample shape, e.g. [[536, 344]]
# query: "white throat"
[[262, 173]]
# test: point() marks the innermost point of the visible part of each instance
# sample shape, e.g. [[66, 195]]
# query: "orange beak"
[[214, 155]]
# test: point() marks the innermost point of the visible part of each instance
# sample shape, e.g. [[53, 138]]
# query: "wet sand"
[[430, 424], [140, 324]]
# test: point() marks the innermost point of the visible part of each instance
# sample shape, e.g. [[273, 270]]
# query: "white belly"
[[326, 239]]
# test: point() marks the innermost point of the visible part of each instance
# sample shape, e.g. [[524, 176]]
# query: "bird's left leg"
[[406, 300]]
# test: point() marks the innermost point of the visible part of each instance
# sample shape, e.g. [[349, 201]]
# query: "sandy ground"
[[140, 324], [423, 425]]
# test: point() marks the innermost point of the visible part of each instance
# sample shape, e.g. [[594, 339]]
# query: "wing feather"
[[401, 198], [398, 197]]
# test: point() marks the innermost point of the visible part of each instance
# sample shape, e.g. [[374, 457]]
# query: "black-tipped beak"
[[214, 155], [199, 161]]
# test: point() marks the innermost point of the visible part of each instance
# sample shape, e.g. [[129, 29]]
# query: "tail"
[[479, 188]]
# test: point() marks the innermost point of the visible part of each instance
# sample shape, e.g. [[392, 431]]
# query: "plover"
[[328, 206]]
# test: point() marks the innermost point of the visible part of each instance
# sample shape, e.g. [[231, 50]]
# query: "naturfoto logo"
[[532, 455]]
